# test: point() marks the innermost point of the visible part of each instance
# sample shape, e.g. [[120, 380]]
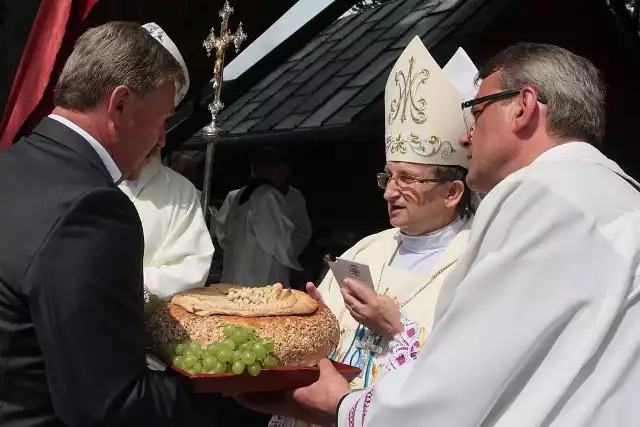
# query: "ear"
[[526, 109], [120, 106], [454, 194]]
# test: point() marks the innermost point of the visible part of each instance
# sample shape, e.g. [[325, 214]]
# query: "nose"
[[465, 139], [391, 192]]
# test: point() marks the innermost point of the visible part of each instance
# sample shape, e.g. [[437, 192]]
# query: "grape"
[[238, 337], [228, 330], [268, 345], [194, 346], [224, 355], [220, 368], [259, 350], [196, 369], [237, 355], [180, 349], [246, 346], [188, 352], [228, 342], [201, 353], [248, 357], [238, 367], [190, 361], [254, 369], [178, 361], [209, 362], [212, 349], [270, 362]]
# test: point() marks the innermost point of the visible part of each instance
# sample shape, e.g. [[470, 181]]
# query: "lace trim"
[[404, 347]]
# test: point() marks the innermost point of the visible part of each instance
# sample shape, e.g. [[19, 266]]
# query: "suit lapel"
[[61, 134]]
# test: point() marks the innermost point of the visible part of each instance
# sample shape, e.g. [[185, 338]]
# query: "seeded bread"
[[299, 340]]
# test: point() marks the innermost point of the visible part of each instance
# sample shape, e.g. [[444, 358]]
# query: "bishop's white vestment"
[[263, 237], [177, 244], [538, 323], [408, 268]]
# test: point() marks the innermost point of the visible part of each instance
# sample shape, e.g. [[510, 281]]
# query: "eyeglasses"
[[402, 180], [471, 114]]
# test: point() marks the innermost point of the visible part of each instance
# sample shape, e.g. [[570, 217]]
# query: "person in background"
[[177, 244], [263, 227], [538, 323]]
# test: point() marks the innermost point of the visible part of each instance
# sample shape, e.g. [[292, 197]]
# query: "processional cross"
[[211, 132]]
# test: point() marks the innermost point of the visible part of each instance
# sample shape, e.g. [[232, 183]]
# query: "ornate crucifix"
[[211, 132]]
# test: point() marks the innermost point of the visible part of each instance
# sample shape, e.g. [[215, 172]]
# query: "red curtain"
[[52, 35]]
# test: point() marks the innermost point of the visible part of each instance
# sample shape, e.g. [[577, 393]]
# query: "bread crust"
[[245, 302], [299, 340]]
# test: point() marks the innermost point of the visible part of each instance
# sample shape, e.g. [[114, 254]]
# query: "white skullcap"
[[158, 33]]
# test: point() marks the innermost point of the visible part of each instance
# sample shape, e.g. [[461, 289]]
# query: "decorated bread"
[[303, 331]]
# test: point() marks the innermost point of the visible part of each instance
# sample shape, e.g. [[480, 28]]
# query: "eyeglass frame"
[[414, 179], [498, 96]]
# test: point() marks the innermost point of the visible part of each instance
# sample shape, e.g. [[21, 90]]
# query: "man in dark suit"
[[72, 339]]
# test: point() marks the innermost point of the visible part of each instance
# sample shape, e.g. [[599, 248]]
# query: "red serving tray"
[[271, 379]]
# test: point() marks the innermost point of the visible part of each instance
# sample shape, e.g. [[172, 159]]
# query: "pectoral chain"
[[403, 303]]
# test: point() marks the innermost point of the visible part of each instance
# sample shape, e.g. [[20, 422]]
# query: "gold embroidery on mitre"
[[408, 89], [421, 146], [397, 145]]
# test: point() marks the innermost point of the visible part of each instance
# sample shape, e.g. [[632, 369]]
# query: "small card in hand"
[[343, 269]]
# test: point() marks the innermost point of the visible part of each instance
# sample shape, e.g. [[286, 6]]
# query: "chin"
[[397, 223]]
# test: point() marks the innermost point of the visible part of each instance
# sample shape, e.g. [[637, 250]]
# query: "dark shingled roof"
[[343, 70]]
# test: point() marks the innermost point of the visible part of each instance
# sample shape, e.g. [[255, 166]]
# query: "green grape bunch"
[[241, 350]]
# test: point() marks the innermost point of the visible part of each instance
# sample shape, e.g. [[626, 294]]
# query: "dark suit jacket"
[[72, 340]]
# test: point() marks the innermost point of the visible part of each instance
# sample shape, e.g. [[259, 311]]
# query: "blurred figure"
[[263, 227]]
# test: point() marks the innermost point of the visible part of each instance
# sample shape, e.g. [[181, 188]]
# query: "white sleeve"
[[220, 219], [184, 260], [273, 229], [300, 219], [532, 300]]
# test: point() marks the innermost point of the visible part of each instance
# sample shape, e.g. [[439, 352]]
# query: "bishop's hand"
[[379, 313]]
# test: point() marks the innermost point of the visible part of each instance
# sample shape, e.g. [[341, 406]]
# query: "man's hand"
[[379, 313], [313, 292], [316, 404]]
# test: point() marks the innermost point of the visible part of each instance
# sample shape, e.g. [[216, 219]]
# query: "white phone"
[[343, 269]]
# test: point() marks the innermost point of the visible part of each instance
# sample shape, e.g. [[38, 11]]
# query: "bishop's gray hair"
[[114, 54], [570, 85]]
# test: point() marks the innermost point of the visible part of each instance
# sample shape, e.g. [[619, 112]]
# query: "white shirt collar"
[[111, 166], [436, 240]]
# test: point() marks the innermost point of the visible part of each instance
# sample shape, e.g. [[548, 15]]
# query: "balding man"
[[538, 323]]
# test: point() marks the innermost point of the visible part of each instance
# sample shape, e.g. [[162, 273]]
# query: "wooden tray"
[[273, 379]]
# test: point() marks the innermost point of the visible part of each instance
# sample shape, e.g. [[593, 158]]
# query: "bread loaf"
[[299, 339]]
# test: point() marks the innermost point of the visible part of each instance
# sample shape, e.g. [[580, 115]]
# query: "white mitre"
[[158, 33], [423, 114]]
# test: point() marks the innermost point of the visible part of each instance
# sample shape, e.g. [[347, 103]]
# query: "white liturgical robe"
[[401, 265], [177, 244], [538, 323], [263, 237]]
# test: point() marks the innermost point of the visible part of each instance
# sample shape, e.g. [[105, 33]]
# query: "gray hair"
[[457, 173], [570, 85], [114, 54]]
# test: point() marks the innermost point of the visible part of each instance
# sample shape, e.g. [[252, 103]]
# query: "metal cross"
[[211, 131], [221, 44]]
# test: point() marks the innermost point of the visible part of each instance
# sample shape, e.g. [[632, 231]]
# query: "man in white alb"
[[178, 249], [263, 227], [538, 323]]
